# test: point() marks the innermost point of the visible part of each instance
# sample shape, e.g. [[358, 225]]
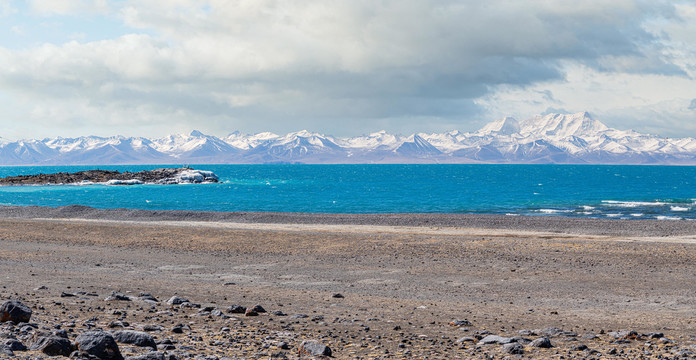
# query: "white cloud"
[[17, 30], [340, 65], [6, 9], [69, 7], [654, 103]]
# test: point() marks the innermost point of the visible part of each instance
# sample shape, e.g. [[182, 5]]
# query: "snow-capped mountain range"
[[554, 138]]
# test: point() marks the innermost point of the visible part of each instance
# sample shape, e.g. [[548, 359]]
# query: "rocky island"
[[183, 175]]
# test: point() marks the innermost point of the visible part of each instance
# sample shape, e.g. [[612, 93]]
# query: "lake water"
[[621, 192]]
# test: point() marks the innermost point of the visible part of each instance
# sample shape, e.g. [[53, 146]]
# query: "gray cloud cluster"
[[340, 67]]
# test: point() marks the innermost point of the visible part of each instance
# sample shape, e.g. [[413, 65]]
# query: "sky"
[[342, 67]]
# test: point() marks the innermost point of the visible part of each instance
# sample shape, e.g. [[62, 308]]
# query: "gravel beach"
[[357, 286]]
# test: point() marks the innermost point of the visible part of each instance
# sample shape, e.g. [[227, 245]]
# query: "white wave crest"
[[632, 204], [553, 211], [672, 218]]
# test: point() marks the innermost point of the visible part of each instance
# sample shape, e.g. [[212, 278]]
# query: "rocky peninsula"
[[112, 177]]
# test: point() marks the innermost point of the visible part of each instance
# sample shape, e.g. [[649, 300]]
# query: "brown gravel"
[[401, 288]]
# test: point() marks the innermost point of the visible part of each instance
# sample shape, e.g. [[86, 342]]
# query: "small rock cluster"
[[181, 329], [104, 345]]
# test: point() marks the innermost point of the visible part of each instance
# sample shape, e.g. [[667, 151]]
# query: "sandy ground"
[[404, 278]]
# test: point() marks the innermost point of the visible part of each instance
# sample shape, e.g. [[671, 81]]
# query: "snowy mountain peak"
[[553, 138], [504, 126], [563, 125]]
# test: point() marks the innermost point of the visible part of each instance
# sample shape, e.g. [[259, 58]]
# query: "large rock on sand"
[[137, 338], [100, 344], [314, 348], [14, 310], [52, 345]]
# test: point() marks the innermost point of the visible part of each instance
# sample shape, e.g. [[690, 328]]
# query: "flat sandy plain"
[[404, 278]]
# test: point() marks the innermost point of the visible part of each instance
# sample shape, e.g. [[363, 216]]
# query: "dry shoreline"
[[403, 278], [554, 224]]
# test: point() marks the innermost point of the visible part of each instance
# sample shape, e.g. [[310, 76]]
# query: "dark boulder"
[[52, 345], [15, 311], [236, 309], [137, 338], [259, 309], [513, 348], [100, 344], [542, 342], [15, 345]]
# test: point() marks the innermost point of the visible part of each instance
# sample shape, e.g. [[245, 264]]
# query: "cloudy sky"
[[342, 67]]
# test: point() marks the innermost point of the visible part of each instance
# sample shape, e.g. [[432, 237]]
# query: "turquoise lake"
[[626, 192]]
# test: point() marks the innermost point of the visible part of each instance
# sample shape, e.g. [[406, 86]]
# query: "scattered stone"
[[279, 313], [259, 309], [581, 347], [100, 344], [15, 311], [520, 340], [542, 342], [513, 348], [117, 324], [554, 331], [150, 328], [466, 339], [665, 340], [52, 345], [147, 297], [337, 296], [137, 338], [654, 335], [4, 350], [64, 294], [117, 296], [153, 355], [236, 309], [299, 316], [525, 332], [251, 312], [459, 323], [176, 300], [495, 339], [189, 305], [314, 348], [624, 335], [15, 345]]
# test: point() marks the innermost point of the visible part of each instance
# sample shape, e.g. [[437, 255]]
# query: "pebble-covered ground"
[[182, 292]]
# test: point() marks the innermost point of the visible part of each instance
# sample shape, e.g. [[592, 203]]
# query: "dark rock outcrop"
[[160, 176]]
